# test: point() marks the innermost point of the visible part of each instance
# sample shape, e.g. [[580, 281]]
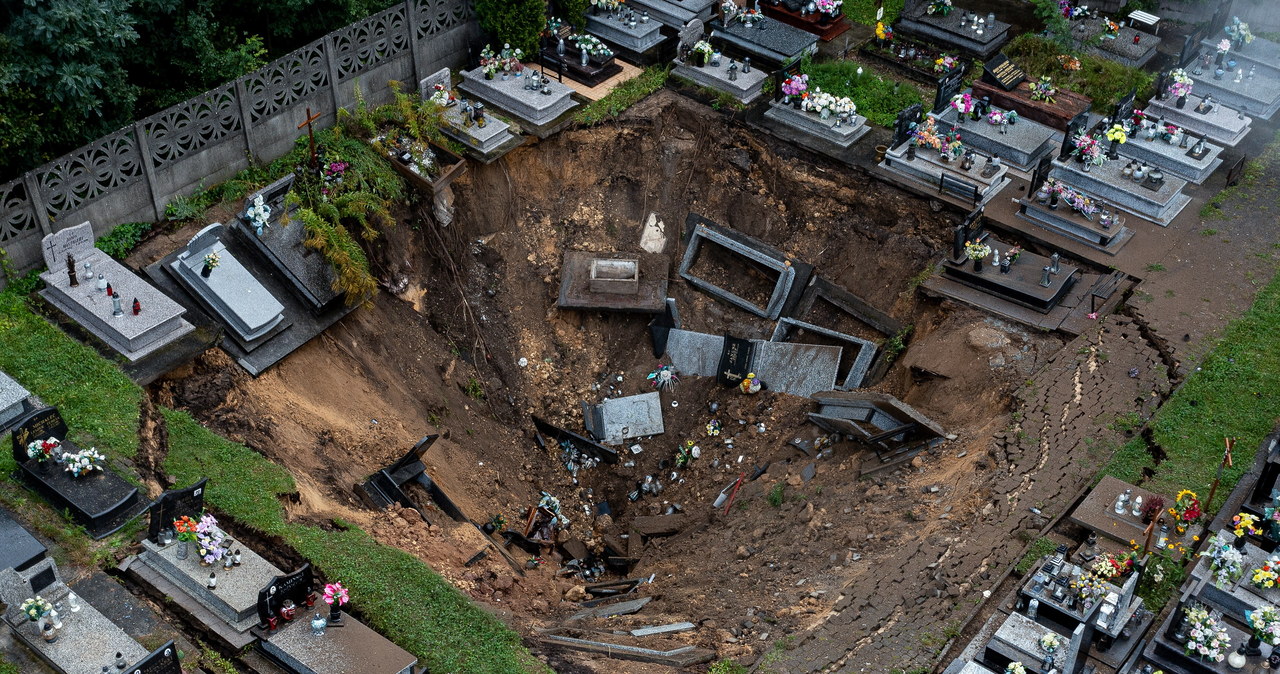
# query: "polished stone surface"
[[230, 289], [352, 648], [235, 599]]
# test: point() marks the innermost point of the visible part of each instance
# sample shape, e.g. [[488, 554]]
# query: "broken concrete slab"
[[797, 369], [659, 525], [892, 428], [861, 361], [621, 608], [788, 275], [663, 629], [618, 419], [684, 656], [550, 436], [626, 282]]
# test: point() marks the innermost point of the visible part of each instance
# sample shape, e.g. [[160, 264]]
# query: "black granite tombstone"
[[661, 326], [295, 586], [44, 579], [1003, 73], [735, 360], [1041, 172], [1190, 45], [19, 550], [174, 504], [780, 76], [906, 122], [948, 85], [163, 660], [1074, 128], [39, 425]]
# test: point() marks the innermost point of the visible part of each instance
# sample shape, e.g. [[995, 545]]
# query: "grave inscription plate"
[[163, 660], [174, 504], [295, 586], [735, 360], [1003, 73], [38, 425]]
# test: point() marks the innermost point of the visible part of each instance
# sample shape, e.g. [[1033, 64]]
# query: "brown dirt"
[[415, 362]]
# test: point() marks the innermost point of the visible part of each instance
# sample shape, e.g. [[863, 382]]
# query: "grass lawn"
[[864, 11], [878, 99], [396, 592], [1103, 80]]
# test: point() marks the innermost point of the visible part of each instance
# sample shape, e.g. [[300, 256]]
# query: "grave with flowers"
[[304, 630], [769, 43], [633, 34], [1238, 84], [502, 81], [1202, 117], [1246, 48], [262, 226], [1114, 40], [73, 479], [698, 62], [65, 632], [581, 56], [1135, 188], [814, 118], [1041, 100], [824, 18], [1150, 139], [943, 23], [937, 161], [189, 557], [1019, 142]]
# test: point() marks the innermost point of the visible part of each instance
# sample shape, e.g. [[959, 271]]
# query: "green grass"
[[396, 592], [878, 99], [864, 11], [775, 497], [1156, 266], [1155, 594], [624, 96], [121, 241], [1235, 392], [1253, 170], [1103, 80], [726, 666], [10, 668], [1038, 548]]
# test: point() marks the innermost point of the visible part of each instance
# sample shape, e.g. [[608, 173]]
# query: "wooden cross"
[[311, 136], [1226, 463]]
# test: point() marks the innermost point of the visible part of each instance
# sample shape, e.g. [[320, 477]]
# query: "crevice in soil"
[[1160, 344]]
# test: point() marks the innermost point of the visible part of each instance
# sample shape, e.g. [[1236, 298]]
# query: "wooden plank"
[[660, 525], [680, 657]]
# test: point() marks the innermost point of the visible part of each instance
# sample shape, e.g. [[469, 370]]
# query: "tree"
[[514, 22], [1056, 26]]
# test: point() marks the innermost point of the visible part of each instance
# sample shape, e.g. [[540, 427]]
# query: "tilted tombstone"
[[174, 504], [907, 120], [948, 85], [1041, 172], [427, 86], [163, 660], [735, 360], [296, 586], [1074, 128]]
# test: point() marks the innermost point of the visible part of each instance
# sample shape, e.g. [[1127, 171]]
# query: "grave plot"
[[582, 57], [65, 632], [797, 369], [429, 168], [540, 111], [793, 13], [635, 37], [1247, 89], [741, 270], [1153, 195], [14, 401], [856, 357], [211, 578], [1020, 145], [19, 550], [744, 81], [960, 29], [484, 142], [675, 14], [1206, 119], [1127, 46], [136, 320], [628, 282], [926, 158], [832, 130], [1066, 107], [306, 636], [78, 480], [1261, 53], [894, 430], [768, 42]]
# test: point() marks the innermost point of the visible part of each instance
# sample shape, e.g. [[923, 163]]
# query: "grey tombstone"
[[427, 86], [231, 290], [13, 400], [691, 33], [73, 240], [948, 86]]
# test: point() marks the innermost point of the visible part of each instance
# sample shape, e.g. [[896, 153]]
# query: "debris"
[[684, 656], [663, 378], [620, 608], [663, 629], [659, 525], [523, 362], [476, 558]]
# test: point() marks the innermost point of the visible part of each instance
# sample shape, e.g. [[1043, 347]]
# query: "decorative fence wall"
[[130, 175]]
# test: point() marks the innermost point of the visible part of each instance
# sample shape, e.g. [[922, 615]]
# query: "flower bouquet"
[[1110, 29], [826, 104], [335, 593], [963, 103], [1240, 30], [489, 62], [1267, 576], [1208, 640], [1112, 565], [1224, 46], [592, 45], [1181, 85], [945, 63], [942, 7], [1002, 116], [976, 251], [1117, 134], [83, 462], [209, 539], [1015, 667], [43, 450], [36, 608], [884, 32], [441, 96], [212, 260], [1089, 588], [1069, 62], [1089, 150], [185, 528], [259, 213], [752, 16], [703, 49], [1244, 523], [1265, 622], [1043, 90], [829, 7], [1225, 562], [1186, 510], [1050, 642]]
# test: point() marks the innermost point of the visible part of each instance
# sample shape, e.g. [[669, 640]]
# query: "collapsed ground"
[[439, 352]]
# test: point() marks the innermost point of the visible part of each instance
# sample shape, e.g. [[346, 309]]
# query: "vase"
[[786, 99], [977, 266], [335, 612], [586, 57], [488, 75], [206, 270], [1087, 165], [1253, 646], [960, 115], [826, 113], [184, 549], [1180, 529], [700, 59], [1181, 102], [1240, 542], [1005, 265]]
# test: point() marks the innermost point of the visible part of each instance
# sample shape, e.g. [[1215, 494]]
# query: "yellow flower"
[[1195, 538]]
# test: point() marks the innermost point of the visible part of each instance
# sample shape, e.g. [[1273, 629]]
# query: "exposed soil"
[[439, 355]]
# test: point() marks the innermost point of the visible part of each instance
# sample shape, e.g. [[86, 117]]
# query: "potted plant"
[[976, 251], [211, 262], [702, 52], [335, 595]]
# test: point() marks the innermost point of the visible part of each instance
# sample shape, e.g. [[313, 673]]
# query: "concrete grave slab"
[[746, 88], [19, 550], [308, 274], [676, 13], [1019, 145], [353, 648], [626, 282], [537, 113], [230, 290], [485, 144], [952, 30], [618, 419], [845, 302], [14, 401], [790, 274], [768, 42], [798, 369], [1107, 182], [1223, 125], [641, 38], [234, 600], [864, 352]]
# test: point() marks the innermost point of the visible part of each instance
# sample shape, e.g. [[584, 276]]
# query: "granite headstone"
[[735, 360], [948, 86], [427, 86], [691, 33], [163, 660], [1002, 72], [295, 586], [39, 425], [906, 122], [173, 504], [72, 240]]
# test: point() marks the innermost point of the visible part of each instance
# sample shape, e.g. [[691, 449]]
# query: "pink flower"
[[336, 592], [1093, 316]]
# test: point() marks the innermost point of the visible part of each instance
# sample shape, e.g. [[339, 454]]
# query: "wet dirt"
[[440, 355]]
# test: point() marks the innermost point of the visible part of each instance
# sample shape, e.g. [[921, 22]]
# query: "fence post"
[[246, 121], [411, 13], [37, 201], [148, 170], [329, 59]]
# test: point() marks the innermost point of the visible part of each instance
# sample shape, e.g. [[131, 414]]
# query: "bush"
[[574, 12], [864, 11], [1103, 80], [624, 96], [121, 241], [514, 22], [878, 99]]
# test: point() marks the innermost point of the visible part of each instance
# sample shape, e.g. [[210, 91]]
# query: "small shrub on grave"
[[1101, 79], [1039, 548], [878, 99], [574, 12], [183, 208], [514, 22]]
